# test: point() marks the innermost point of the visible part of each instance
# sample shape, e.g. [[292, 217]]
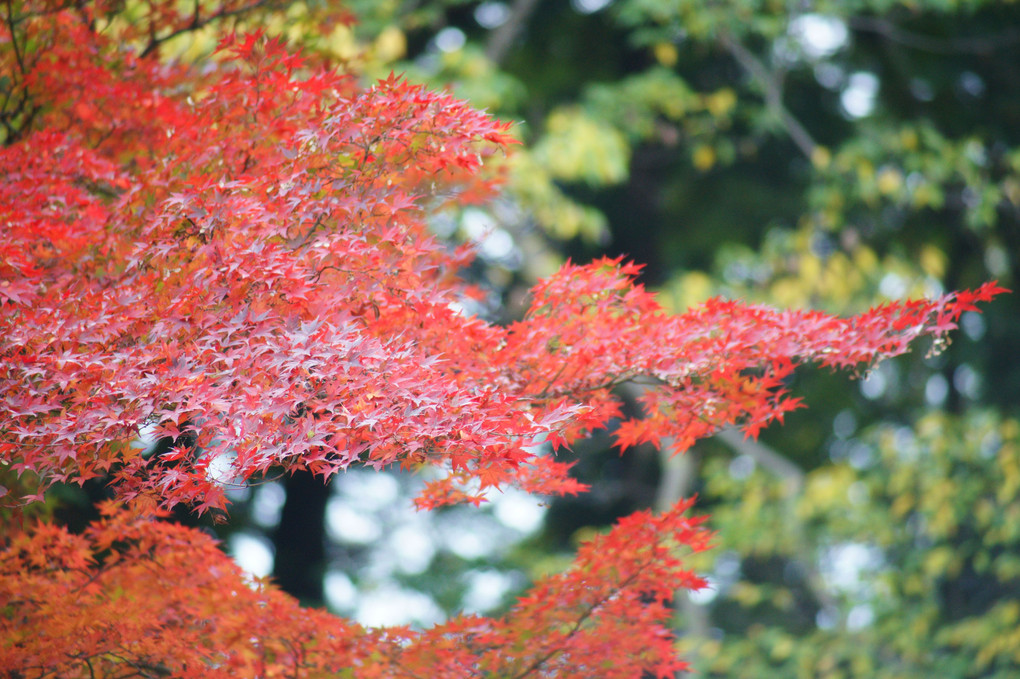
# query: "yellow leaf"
[[665, 53], [889, 180], [703, 157], [821, 157], [342, 43], [933, 261], [908, 138], [783, 648], [721, 102], [938, 562], [902, 504], [390, 45]]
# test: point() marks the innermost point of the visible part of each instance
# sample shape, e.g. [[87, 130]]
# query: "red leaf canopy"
[[243, 258]]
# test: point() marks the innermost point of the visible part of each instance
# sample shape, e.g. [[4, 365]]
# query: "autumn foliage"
[[135, 597], [237, 256]]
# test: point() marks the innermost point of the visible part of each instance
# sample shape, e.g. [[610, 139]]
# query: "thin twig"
[[771, 84], [195, 24], [764, 455], [926, 43], [551, 653], [502, 38], [778, 464]]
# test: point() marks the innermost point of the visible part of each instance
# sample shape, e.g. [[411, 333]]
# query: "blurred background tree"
[[825, 154]]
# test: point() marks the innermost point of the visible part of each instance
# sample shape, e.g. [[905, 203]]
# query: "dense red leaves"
[[139, 597], [242, 258], [253, 269]]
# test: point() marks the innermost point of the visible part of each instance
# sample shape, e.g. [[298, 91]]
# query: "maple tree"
[[237, 257]]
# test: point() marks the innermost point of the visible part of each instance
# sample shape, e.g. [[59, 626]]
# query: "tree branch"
[[778, 464], [764, 455], [575, 628], [196, 23], [500, 40], [926, 43], [678, 472], [772, 86]]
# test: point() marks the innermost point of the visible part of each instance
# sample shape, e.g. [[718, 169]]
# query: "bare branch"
[[678, 473], [766, 456], [500, 40], [771, 84], [197, 23], [778, 464], [926, 43]]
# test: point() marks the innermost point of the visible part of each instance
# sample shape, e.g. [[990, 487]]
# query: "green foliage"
[[916, 537]]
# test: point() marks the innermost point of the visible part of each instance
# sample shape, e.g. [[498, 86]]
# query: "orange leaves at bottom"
[[140, 597], [134, 596]]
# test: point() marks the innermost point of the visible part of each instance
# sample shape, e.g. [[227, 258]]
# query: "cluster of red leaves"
[[591, 328], [134, 596], [240, 256]]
